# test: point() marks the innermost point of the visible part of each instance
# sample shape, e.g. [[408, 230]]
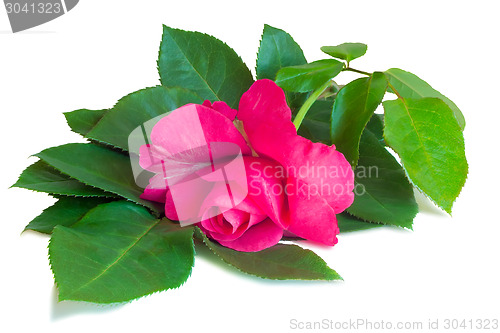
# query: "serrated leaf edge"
[[200, 235], [59, 299]]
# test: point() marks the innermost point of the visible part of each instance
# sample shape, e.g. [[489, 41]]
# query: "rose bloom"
[[295, 186]]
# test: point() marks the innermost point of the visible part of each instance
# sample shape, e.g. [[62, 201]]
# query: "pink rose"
[[294, 185]]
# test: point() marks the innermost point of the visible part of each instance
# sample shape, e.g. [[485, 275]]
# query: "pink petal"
[[212, 232], [267, 188], [221, 107], [156, 189], [312, 217], [322, 167], [256, 238], [217, 227], [220, 225], [180, 141], [170, 212], [263, 108], [267, 122], [153, 194], [193, 126], [243, 216], [236, 218]]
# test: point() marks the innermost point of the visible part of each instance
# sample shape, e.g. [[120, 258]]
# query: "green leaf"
[[277, 50], [97, 166], [42, 177], [354, 106], [427, 138], [348, 223], [308, 77], [382, 193], [82, 121], [316, 124], [133, 110], [409, 85], [376, 126], [346, 51], [66, 212], [202, 64], [280, 262], [118, 252]]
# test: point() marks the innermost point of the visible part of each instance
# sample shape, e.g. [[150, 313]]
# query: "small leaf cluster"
[[422, 126]]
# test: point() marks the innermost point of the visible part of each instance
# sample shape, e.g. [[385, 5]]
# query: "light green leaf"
[[308, 77], [427, 138], [354, 106], [97, 166], [383, 194], [133, 110], [346, 51], [408, 85], [277, 50], [118, 252], [66, 212], [41, 177], [348, 223], [202, 64], [280, 262]]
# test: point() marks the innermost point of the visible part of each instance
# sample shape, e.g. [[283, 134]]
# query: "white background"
[[103, 50]]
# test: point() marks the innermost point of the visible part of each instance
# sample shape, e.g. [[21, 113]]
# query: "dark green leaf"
[[353, 108], [308, 77], [66, 212], [376, 126], [97, 166], [202, 64], [277, 50], [280, 262], [82, 121], [118, 252], [133, 110], [346, 51], [409, 85], [316, 124], [383, 194], [348, 223], [426, 135], [42, 177]]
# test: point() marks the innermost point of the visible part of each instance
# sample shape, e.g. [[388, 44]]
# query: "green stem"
[[394, 90], [308, 103], [356, 71]]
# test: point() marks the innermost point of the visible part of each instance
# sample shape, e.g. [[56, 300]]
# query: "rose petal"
[[208, 229], [154, 194], [312, 216], [193, 126], [180, 141], [156, 189], [321, 167], [170, 211], [256, 238], [236, 218], [221, 107], [266, 187], [267, 122]]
